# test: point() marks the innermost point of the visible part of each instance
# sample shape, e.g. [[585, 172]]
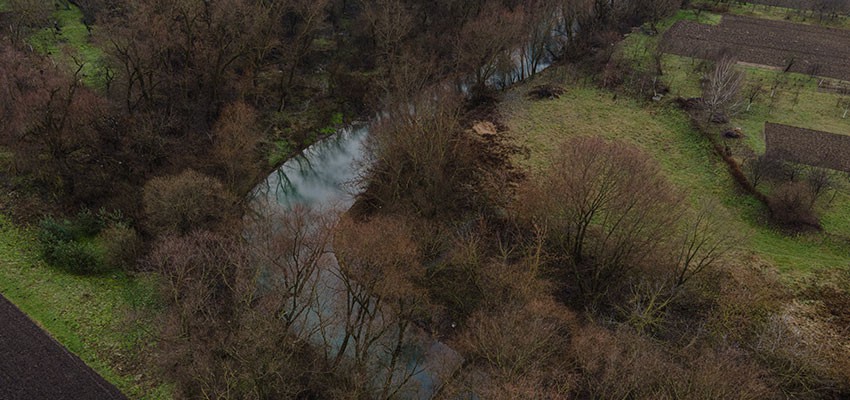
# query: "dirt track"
[[33, 366], [800, 48]]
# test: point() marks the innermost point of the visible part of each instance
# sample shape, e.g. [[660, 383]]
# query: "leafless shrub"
[[792, 205], [760, 168], [522, 351], [621, 364], [236, 138], [187, 201], [426, 162], [808, 356]]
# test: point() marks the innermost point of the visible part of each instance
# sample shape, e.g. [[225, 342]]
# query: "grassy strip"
[[89, 315], [72, 46], [687, 158]]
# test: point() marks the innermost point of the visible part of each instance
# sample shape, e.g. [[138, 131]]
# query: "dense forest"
[[136, 147]]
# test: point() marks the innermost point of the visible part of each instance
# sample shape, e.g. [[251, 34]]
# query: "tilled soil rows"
[[34, 366], [805, 5], [806, 146], [798, 48]]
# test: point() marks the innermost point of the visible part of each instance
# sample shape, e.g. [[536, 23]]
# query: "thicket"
[[89, 243]]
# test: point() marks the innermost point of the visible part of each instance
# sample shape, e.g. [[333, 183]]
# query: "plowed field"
[[799, 48]]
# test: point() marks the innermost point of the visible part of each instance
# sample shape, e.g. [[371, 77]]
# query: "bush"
[[792, 205], [63, 246], [121, 245], [187, 201]]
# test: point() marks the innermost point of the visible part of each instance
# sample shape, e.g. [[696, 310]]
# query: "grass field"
[[72, 46], [665, 132], [796, 101], [88, 315]]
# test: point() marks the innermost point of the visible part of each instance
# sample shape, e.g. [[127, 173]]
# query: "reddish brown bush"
[[236, 139]]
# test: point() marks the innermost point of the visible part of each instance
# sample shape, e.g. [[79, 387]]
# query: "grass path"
[[89, 315], [72, 45]]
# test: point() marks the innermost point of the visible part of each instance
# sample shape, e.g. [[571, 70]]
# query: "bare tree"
[[753, 91], [236, 139], [721, 89], [185, 202], [380, 268], [484, 44], [606, 206], [703, 242], [26, 16]]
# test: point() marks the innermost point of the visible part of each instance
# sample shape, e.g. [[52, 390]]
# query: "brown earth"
[[837, 6], [799, 48], [806, 146], [34, 366]]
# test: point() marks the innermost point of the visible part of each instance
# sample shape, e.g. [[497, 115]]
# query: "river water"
[[322, 178]]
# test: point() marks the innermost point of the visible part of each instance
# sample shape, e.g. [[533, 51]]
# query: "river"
[[323, 177]]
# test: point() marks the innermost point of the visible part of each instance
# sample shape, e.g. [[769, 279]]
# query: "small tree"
[[236, 139], [27, 15], [721, 88]]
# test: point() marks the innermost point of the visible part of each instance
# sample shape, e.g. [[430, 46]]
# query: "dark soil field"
[[33, 366], [806, 146], [838, 6], [798, 48]]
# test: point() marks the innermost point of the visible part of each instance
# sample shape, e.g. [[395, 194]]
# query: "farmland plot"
[[806, 146], [775, 44]]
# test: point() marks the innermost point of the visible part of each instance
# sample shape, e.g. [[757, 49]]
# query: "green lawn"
[[89, 315], [72, 46], [687, 158]]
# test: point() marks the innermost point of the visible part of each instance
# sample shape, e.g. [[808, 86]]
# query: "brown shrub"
[[792, 205], [427, 164], [621, 364], [809, 356], [744, 296], [121, 244], [517, 345], [187, 201]]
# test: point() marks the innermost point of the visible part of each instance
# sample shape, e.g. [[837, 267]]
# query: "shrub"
[[63, 246], [792, 205], [590, 184], [121, 245], [184, 202]]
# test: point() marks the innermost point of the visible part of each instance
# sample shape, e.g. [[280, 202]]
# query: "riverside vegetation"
[[586, 242]]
